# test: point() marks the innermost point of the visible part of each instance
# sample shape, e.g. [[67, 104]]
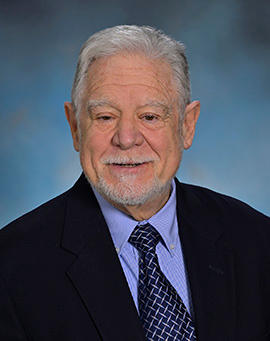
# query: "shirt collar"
[[121, 225]]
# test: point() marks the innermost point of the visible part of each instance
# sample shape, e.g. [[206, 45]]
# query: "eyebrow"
[[93, 103], [165, 107], [156, 104]]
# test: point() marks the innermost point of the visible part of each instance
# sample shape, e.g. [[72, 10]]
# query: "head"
[[131, 114], [131, 38]]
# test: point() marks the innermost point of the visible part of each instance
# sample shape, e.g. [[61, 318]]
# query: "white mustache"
[[120, 159]]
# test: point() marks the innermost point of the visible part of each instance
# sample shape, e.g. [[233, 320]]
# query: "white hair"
[[152, 43]]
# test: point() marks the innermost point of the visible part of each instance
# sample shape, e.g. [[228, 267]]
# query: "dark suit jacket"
[[61, 278]]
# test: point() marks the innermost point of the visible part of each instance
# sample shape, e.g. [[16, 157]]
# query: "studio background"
[[228, 46]]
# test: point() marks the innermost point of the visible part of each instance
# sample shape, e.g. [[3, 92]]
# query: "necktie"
[[162, 312]]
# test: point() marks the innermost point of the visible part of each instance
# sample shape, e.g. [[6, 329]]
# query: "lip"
[[118, 169]]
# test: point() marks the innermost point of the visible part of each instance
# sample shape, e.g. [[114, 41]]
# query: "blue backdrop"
[[228, 45]]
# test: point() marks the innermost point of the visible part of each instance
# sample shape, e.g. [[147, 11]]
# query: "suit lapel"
[[209, 266], [97, 273]]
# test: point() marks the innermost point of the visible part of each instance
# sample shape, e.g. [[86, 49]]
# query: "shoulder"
[[220, 203], [36, 217], [238, 222], [36, 229], [42, 229]]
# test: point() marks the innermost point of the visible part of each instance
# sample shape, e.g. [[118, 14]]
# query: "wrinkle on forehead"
[[135, 70]]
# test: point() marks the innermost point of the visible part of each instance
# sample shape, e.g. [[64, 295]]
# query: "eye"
[[149, 117], [104, 118], [152, 120]]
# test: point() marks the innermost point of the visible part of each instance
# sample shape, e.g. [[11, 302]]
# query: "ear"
[[72, 120], [191, 116]]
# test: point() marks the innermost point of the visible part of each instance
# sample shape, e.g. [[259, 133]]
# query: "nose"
[[127, 134]]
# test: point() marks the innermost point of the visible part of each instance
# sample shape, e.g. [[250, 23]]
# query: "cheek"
[[169, 144], [93, 147], [89, 157], [170, 153]]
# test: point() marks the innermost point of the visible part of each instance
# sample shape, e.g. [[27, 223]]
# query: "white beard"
[[128, 193]]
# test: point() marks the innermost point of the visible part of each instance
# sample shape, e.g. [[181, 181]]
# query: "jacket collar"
[[209, 262], [96, 273]]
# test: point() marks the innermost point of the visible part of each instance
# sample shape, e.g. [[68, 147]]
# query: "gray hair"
[[152, 43]]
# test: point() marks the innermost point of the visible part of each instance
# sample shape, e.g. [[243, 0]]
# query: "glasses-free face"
[[130, 139]]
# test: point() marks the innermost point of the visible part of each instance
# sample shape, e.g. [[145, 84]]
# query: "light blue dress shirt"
[[169, 251]]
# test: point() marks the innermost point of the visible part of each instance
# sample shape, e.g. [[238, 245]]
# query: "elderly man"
[[129, 253]]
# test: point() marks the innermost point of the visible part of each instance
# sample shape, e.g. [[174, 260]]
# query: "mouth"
[[128, 168], [128, 165]]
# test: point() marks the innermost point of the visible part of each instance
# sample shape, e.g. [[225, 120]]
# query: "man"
[[129, 253]]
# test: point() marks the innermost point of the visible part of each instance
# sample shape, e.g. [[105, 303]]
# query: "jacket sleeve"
[[10, 327]]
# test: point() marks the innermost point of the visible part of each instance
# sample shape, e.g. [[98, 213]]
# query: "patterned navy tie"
[[162, 312]]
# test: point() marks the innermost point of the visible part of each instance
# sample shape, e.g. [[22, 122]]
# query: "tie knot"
[[145, 238]]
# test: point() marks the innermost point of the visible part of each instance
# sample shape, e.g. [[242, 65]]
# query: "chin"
[[131, 193]]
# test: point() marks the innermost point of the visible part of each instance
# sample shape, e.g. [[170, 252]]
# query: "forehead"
[[130, 71]]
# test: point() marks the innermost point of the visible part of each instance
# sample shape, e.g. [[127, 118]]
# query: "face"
[[128, 134]]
